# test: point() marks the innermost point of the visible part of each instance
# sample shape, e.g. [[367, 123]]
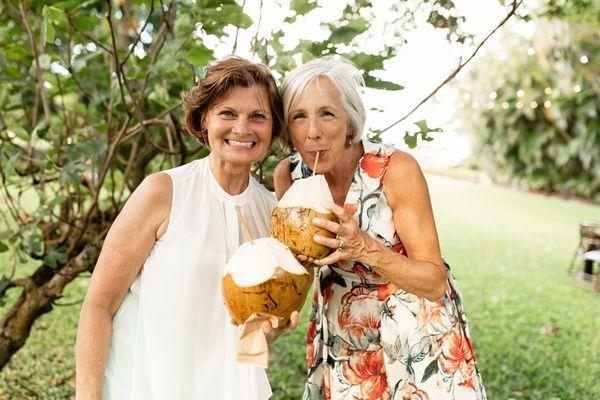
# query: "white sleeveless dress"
[[172, 336]]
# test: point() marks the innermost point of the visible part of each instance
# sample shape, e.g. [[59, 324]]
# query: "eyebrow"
[[295, 110], [258, 110]]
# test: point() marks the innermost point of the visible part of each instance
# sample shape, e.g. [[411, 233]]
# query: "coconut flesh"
[[264, 276], [291, 221]]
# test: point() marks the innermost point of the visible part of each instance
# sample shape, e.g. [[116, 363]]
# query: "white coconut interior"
[[254, 263], [312, 192]]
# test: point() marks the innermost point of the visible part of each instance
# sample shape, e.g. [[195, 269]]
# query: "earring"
[[349, 139]]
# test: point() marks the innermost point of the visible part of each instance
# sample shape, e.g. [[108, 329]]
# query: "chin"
[[242, 157]]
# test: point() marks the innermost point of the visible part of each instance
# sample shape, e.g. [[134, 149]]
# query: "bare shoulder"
[[157, 187], [282, 178], [403, 165], [404, 177], [151, 199]]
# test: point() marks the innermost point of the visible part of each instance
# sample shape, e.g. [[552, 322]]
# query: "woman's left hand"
[[272, 333], [350, 242]]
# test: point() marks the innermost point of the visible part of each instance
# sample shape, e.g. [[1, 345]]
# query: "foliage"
[[89, 105], [536, 119], [534, 333]]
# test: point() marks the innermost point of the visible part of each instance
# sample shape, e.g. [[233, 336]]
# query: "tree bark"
[[36, 300]]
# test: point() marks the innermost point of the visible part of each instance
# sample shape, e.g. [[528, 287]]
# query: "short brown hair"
[[220, 78]]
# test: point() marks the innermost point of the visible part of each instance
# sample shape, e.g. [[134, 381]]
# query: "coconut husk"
[[293, 226], [279, 296]]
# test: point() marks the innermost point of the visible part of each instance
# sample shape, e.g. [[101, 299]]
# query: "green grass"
[[509, 252]]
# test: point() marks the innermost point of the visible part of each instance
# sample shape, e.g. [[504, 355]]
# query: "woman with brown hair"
[[153, 324]]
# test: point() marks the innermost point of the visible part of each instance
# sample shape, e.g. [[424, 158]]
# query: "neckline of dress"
[[238, 199]]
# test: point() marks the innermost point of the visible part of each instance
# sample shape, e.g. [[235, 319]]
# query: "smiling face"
[[239, 125], [317, 122]]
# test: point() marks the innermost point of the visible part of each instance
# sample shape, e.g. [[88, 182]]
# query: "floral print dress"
[[369, 340]]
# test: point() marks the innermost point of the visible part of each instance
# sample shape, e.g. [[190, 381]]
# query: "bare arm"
[[422, 272], [142, 221]]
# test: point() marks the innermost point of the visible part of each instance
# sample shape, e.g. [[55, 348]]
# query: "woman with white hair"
[[387, 319]]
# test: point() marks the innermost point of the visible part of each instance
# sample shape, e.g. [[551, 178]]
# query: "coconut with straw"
[[291, 220], [263, 276]]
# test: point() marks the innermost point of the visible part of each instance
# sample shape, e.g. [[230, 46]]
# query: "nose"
[[241, 127], [314, 130]]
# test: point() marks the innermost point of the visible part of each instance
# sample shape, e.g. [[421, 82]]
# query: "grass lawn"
[[536, 335]]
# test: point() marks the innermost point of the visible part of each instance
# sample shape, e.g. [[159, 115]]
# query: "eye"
[[297, 116], [259, 117], [226, 114], [328, 114]]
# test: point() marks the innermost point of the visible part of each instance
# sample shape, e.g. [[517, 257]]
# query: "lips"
[[240, 144]]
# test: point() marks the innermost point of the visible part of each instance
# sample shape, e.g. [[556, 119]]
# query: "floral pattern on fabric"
[[369, 340]]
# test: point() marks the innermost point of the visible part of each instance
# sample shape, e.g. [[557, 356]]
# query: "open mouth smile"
[[242, 145]]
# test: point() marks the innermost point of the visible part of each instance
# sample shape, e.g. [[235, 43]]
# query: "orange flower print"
[[412, 393], [374, 165], [359, 312], [326, 384], [310, 342], [385, 291], [351, 208], [457, 355], [431, 311], [399, 248], [364, 273], [367, 369]]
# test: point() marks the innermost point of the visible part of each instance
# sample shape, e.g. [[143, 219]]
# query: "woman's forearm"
[[93, 342], [423, 278]]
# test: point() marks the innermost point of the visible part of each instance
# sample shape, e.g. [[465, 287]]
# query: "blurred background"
[[90, 104]]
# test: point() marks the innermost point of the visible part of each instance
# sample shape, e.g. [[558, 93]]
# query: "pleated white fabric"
[[172, 336]]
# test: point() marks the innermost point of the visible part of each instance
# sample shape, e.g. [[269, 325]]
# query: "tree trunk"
[[36, 300]]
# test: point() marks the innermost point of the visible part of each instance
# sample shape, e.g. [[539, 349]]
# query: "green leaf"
[[424, 129], [431, 369], [85, 22], [49, 32], [346, 33], [17, 52], [55, 257], [33, 243], [19, 131], [375, 135], [376, 83], [410, 140], [199, 55], [232, 14], [54, 14], [302, 7], [368, 62], [3, 248]]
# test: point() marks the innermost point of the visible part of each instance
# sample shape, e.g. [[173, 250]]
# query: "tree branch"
[[38, 69], [87, 36], [137, 39], [461, 65], [237, 31]]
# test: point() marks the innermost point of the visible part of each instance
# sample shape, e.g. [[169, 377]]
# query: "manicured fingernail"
[[316, 220], [317, 238]]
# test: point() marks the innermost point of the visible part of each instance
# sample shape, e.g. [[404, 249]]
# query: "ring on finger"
[[341, 244]]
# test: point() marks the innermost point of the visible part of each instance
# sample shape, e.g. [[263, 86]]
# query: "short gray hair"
[[344, 76]]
